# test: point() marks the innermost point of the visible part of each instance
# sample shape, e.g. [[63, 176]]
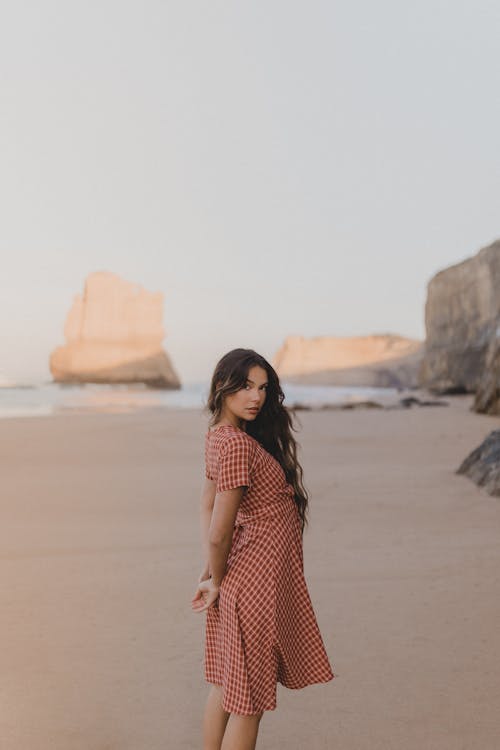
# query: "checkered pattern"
[[262, 629]]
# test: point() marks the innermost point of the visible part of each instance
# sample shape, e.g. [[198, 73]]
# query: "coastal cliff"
[[384, 360], [462, 318]]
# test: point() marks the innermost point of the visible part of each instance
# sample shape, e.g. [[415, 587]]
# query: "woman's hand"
[[205, 596]]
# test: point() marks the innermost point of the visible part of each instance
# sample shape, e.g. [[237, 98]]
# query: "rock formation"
[[462, 317], [487, 398], [483, 464], [114, 334], [383, 360]]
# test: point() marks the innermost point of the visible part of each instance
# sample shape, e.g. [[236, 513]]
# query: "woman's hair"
[[272, 427]]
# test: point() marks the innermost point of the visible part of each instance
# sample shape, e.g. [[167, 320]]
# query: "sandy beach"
[[100, 556]]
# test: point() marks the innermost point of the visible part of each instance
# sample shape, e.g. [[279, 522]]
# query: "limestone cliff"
[[114, 334], [462, 314], [384, 360]]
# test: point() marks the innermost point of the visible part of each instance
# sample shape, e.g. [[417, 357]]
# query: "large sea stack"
[[114, 334], [462, 318], [378, 361]]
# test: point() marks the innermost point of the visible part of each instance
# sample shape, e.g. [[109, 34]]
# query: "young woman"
[[260, 624]]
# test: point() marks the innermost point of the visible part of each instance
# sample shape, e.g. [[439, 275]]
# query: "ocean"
[[46, 399]]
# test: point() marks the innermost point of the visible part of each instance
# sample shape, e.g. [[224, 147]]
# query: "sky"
[[274, 168]]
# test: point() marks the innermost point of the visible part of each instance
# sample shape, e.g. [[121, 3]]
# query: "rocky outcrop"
[[483, 464], [384, 360], [462, 316], [114, 334], [487, 400]]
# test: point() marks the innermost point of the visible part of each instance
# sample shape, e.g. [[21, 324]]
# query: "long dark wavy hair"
[[273, 425]]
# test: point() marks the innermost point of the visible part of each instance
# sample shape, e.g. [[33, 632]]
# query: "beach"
[[101, 554]]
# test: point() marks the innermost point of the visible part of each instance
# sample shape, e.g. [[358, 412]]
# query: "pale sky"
[[273, 168]]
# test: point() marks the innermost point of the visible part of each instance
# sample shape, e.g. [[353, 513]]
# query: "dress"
[[262, 628]]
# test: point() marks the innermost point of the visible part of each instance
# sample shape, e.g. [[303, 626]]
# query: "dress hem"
[[305, 684], [229, 710]]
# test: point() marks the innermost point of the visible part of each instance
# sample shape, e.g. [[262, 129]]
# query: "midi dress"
[[262, 628]]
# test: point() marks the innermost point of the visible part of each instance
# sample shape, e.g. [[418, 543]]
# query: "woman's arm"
[[220, 533], [206, 507]]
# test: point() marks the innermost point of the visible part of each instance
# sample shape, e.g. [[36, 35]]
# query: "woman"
[[260, 625]]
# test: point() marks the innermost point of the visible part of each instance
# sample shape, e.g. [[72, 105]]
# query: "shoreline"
[[110, 400]]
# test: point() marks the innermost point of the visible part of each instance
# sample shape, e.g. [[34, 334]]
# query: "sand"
[[100, 649]]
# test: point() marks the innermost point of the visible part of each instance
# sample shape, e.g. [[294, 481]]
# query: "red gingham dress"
[[262, 628]]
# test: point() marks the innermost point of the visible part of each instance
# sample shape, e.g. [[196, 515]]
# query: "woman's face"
[[246, 403]]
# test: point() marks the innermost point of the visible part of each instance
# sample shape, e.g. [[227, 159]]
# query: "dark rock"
[[411, 401], [362, 405], [298, 406], [483, 464]]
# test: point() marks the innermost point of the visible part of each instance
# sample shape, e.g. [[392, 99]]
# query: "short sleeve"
[[235, 463]]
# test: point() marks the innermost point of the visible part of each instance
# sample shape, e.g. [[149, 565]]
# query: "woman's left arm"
[[220, 538], [206, 509]]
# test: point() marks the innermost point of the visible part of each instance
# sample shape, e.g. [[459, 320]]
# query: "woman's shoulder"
[[227, 435]]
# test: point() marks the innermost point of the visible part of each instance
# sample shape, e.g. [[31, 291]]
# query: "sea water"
[[46, 399]]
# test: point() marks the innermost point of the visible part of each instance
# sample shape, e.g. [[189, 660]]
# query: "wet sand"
[[100, 554]]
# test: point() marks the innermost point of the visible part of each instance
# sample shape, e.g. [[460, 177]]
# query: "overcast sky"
[[273, 168]]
